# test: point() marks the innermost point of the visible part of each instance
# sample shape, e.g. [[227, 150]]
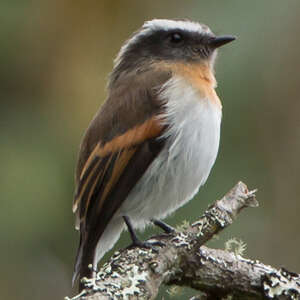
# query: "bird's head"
[[168, 41]]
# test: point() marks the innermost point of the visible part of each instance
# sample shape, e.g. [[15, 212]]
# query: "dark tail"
[[84, 260]]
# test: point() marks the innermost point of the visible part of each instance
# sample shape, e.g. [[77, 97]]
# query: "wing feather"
[[106, 164], [119, 145]]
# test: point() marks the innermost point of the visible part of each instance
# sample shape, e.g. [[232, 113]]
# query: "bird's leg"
[[164, 226], [136, 242]]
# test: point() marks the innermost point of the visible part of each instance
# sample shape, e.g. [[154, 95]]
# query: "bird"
[[154, 140]]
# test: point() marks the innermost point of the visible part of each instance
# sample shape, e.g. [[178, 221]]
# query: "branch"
[[136, 273], [220, 273]]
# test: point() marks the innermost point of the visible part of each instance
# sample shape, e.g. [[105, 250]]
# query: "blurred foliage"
[[55, 57]]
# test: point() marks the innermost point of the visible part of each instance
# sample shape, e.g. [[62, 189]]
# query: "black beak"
[[219, 41]]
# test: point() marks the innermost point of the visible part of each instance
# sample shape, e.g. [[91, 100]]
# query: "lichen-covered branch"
[[220, 273], [138, 273]]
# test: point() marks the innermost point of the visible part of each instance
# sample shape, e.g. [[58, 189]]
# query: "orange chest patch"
[[200, 77]]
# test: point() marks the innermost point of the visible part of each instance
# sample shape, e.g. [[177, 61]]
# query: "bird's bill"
[[219, 41]]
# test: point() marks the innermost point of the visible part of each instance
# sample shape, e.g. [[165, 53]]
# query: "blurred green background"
[[55, 58]]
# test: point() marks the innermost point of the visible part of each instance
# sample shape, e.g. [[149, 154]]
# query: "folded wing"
[[109, 170]]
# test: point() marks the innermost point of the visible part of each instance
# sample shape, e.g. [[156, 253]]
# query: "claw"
[[136, 242], [147, 245]]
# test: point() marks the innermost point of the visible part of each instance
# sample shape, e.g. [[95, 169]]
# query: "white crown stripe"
[[161, 24]]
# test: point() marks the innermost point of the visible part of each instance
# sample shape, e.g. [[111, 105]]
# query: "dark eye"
[[176, 38]]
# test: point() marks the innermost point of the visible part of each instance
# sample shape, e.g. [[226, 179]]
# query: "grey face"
[[172, 45], [166, 40]]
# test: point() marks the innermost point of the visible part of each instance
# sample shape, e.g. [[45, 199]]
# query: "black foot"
[[147, 245], [164, 226], [136, 242]]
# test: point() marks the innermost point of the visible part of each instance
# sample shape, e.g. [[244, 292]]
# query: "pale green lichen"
[[77, 296], [238, 247], [200, 224], [174, 290], [183, 226], [180, 240], [116, 287], [282, 283]]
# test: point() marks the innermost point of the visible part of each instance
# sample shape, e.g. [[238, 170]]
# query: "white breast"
[[183, 166]]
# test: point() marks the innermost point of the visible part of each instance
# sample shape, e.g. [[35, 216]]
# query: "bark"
[[183, 260]]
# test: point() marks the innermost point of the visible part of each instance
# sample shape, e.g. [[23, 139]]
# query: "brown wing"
[[106, 182], [129, 104], [123, 120], [119, 145], [106, 164]]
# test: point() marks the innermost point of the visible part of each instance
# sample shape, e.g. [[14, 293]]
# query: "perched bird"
[[155, 139]]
